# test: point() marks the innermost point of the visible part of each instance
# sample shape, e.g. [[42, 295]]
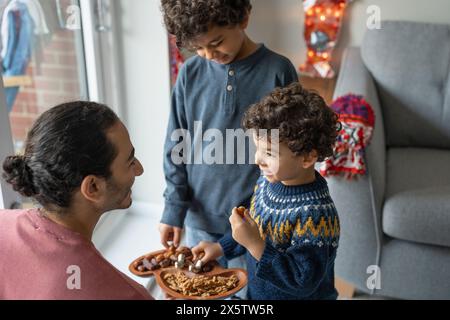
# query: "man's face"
[[277, 161], [220, 44], [125, 168]]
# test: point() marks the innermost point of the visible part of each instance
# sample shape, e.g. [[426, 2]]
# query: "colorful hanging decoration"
[[357, 119], [176, 59], [323, 20]]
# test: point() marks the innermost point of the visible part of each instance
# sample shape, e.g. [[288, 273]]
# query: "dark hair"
[[65, 144], [187, 19], [304, 120]]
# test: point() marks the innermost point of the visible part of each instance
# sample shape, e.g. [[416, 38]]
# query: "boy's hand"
[[169, 233], [211, 251], [246, 232]]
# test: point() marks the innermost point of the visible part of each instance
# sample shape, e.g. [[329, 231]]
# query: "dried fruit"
[[181, 257], [141, 268], [160, 258], [165, 263], [207, 267], [147, 264], [241, 211]]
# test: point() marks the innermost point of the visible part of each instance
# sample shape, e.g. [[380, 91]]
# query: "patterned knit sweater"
[[301, 228]]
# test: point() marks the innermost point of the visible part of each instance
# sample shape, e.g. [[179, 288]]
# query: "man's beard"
[[117, 195]]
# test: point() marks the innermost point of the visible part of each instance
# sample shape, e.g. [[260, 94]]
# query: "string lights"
[[323, 19]]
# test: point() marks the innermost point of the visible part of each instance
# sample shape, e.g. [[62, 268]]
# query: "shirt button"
[[231, 73], [230, 88]]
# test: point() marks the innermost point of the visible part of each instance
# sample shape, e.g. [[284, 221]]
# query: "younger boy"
[[291, 233]]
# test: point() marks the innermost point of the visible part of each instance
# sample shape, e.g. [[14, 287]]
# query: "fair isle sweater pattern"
[[303, 215]]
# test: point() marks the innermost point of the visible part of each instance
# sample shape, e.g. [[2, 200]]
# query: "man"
[[78, 164]]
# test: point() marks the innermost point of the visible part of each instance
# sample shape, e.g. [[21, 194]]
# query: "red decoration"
[[322, 25], [176, 59], [357, 120]]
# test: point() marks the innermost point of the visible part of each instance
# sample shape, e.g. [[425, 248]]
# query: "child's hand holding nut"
[[207, 251], [246, 232], [241, 211]]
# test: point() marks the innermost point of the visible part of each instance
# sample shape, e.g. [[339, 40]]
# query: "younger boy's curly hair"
[[304, 120], [187, 19]]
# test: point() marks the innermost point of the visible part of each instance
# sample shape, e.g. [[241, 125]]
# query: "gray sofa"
[[398, 216]]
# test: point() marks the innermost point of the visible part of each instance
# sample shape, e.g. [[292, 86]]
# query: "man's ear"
[[93, 188], [310, 159]]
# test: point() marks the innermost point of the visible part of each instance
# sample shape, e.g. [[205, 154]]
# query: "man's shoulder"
[[8, 217]]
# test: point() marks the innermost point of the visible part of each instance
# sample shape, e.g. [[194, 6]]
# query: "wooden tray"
[[217, 270]]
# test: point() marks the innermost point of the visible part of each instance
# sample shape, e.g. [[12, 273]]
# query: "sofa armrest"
[[360, 202], [355, 78]]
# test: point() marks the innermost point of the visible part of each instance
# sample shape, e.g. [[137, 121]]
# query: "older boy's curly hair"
[[304, 120], [187, 19]]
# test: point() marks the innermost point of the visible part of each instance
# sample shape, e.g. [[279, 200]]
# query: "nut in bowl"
[[214, 285]]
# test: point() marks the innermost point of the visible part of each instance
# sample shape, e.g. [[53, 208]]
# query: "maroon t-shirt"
[[40, 259]]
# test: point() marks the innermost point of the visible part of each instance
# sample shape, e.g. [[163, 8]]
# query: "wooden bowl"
[[217, 271]]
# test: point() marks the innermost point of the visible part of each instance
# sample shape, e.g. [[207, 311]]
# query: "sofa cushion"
[[417, 203], [410, 63]]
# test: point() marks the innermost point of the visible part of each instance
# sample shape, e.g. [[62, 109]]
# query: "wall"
[[147, 90], [279, 23]]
